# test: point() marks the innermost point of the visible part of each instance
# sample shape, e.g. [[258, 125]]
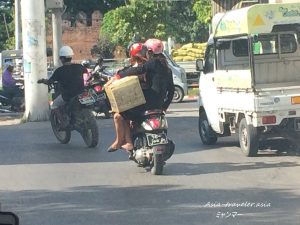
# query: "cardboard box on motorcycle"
[[125, 94]]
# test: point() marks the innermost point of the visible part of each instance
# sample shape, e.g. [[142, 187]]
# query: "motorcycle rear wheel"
[[90, 134], [158, 164], [63, 136]]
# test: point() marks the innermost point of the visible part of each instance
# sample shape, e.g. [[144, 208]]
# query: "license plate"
[[101, 96], [86, 99], [156, 139]]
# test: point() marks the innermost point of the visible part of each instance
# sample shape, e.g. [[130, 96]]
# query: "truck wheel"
[[178, 94], [207, 135], [248, 137]]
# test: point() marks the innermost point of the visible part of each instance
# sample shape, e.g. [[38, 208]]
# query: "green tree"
[[146, 17], [6, 25], [183, 23], [203, 10], [159, 19]]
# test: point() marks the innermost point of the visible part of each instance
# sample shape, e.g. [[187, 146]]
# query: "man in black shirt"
[[69, 77]]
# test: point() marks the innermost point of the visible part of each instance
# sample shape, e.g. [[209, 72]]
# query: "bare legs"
[[128, 146], [123, 137], [120, 131]]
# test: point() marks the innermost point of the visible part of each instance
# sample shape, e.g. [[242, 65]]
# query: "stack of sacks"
[[189, 52]]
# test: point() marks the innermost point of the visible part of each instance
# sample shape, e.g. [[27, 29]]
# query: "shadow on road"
[[33, 143], [165, 204], [189, 169]]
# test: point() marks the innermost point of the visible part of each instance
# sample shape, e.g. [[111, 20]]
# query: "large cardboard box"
[[125, 94]]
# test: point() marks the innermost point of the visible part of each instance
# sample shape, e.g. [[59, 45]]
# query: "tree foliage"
[[202, 8], [6, 25], [159, 19], [184, 23], [145, 17]]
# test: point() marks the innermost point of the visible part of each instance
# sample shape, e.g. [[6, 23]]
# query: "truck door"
[[208, 89]]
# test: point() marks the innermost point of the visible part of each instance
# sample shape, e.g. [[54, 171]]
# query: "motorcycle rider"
[[9, 84], [69, 76], [158, 90], [10, 88], [88, 73], [99, 64]]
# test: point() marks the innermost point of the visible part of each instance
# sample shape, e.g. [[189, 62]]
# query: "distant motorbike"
[[12, 104], [97, 81], [152, 148], [76, 115]]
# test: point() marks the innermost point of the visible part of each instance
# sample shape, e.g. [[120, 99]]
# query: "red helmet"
[[154, 45], [138, 50]]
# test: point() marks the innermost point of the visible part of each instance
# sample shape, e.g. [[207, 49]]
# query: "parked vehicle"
[[77, 115], [250, 81], [151, 144], [179, 79], [179, 75]]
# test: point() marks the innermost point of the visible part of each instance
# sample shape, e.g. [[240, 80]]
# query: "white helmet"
[[66, 51], [9, 63]]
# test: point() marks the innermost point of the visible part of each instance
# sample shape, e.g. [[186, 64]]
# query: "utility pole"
[[17, 24], [34, 59], [57, 35]]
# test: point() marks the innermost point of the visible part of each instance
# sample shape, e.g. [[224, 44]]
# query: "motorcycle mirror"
[[8, 218]]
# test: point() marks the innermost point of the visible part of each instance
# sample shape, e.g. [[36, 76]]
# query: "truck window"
[[288, 43], [240, 47], [266, 44], [209, 59]]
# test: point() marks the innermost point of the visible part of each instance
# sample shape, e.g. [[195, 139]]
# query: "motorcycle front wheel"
[[90, 134], [63, 136]]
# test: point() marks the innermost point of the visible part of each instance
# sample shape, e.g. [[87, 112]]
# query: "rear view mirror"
[[199, 65], [8, 218]]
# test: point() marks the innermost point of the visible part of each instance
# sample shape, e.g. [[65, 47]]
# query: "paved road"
[[47, 183]]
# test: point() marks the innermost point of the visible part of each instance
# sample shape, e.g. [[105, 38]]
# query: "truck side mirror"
[[199, 65]]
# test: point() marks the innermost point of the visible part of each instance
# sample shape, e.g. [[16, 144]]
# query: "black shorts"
[[134, 114]]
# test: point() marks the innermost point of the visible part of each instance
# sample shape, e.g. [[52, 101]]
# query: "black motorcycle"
[[9, 103], [77, 115], [152, 148], [97, 81]]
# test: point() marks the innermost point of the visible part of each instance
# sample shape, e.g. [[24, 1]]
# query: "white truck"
[[250, 76]]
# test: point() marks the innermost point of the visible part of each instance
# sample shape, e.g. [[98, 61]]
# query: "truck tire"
[[248, 137], [178, 94], [207, 135]]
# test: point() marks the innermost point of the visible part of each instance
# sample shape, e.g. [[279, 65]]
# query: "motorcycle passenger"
[[69, 77], [9, 84], [122, 120], [158, 88], [158, 75]]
